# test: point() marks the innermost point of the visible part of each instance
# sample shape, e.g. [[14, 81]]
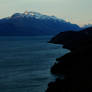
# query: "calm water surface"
[[25, 63]]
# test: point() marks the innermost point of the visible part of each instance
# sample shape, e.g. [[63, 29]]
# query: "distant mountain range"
[[33, 23], [87, 25]]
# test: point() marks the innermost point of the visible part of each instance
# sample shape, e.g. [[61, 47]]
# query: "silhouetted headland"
[[76, 66]]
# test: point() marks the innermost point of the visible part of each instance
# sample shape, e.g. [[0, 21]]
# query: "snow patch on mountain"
[[35, 15]]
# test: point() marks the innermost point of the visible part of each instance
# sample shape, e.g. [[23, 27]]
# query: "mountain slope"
[[33, 23]]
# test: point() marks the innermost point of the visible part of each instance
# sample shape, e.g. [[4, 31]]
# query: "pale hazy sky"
[[76, 11]]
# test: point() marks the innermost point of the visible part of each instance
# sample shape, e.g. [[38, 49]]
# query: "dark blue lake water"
[[25, 63]]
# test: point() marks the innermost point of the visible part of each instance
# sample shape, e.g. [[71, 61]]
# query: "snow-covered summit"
[[35, 15]]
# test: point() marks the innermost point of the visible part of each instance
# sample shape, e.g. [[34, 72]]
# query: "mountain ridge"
[[33, 23]]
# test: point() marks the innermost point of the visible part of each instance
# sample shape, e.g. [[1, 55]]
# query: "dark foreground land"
[[76, 66]]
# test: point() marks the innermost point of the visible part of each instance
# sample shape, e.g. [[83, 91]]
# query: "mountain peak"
[[35, 15]]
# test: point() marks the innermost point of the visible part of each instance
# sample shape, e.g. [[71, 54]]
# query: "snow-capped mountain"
[[33, 23], [33, 14]]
